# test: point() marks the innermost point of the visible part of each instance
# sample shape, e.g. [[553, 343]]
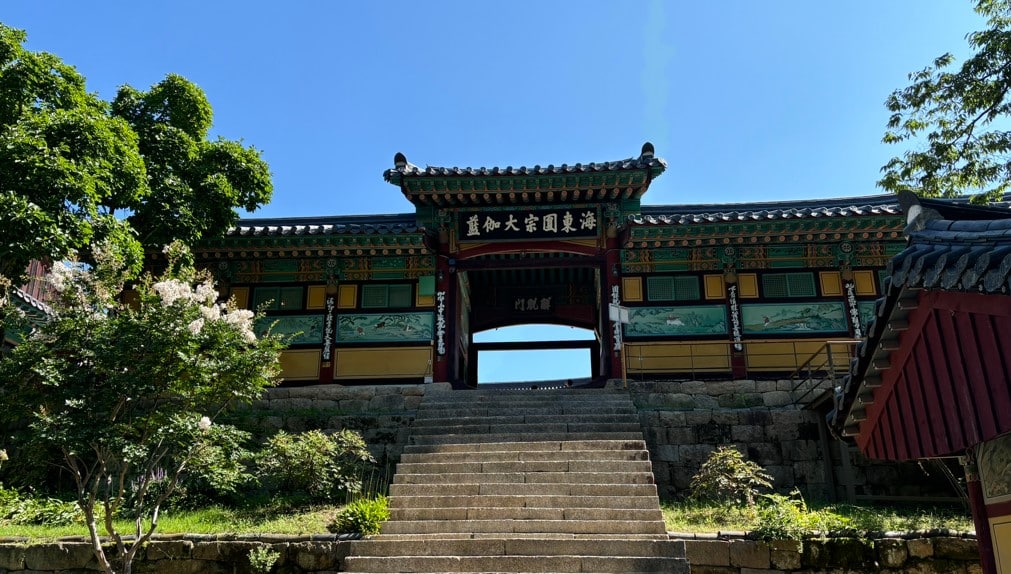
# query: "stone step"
[[499, 397], [521, 501], [603, 527], [521, 455], [510, 467], [405, 545], [522, 489], [530, 407], [636, 444], [617, 478], [517, 564], [467, 426], [525, 513], [525, 417], [516, 437]]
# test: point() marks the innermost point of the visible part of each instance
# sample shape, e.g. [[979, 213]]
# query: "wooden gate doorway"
[[509, 289]]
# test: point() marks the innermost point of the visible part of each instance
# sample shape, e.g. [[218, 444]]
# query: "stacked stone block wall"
[[683, 422], [770, 423], [207, 554]]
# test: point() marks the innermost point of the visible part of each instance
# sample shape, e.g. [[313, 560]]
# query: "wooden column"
[[611, 293], [979, 515]]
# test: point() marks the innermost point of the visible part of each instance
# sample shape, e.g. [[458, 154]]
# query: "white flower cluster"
[[204, 295]]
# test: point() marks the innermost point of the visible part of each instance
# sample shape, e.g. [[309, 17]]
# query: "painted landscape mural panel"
[[306, 329], [793, 318], [385, 327], [674, 321], [866, 313]]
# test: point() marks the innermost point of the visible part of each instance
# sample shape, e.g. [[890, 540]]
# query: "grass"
[[679, 517], [212, 520], [715, 517]]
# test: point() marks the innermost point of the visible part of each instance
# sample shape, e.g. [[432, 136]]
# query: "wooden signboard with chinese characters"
[[527, 224]]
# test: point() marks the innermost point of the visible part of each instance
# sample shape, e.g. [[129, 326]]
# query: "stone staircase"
[[523, 481]]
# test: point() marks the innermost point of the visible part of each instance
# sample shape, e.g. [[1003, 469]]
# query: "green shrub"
[[364, 516], [782, 517], [19, 509], [262, 559], [323, 467], [726, 476]]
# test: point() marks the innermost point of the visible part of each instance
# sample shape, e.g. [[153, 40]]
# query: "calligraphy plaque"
[[525, 224]]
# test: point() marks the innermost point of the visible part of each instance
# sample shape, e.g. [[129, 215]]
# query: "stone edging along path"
[[729, 552]]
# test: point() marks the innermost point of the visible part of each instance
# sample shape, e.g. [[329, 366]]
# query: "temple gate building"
[[707, 291]]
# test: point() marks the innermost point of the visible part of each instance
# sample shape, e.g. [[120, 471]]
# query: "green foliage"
[[65, 164], [707, 516], [128, 393], [69, 161], [195, 184], [262, 559], [17, 509], [957, 118], [727, 476], [321, 466], [783, 517], [364, 516]]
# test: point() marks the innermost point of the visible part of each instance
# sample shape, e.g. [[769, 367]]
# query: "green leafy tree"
[[77, 171], [128, 393], [959, 118], [195, 184], [66, 164]]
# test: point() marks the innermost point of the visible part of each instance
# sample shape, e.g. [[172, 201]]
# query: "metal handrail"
[[719, 357], [822, 366]]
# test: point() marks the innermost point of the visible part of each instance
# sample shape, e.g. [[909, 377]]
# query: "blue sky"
[[746, 100]]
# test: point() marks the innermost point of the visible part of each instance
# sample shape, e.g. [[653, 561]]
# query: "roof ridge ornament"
[[647, 152]]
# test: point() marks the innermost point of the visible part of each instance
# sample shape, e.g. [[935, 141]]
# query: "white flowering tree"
[[128, 388]]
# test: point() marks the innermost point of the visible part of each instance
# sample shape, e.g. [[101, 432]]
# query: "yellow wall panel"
[[631, 289], [831, 283], [789, 355], [241, 296], [346, 296], [865, 282], [317, 297], [747, 285], [383, 362], [300, 364], [676, 357], [715, 287], [425, 300]]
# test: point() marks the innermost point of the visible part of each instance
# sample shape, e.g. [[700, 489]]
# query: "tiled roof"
[[339, 225], [632, 163], [30, 304], [505, 186], [766, 211], [954, 255]]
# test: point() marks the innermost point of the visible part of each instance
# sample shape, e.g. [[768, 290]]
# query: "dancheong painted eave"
[[467, 186], [327, 232]]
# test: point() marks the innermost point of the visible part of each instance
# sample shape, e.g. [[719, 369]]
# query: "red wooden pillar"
[[612, 336], [979, 515]]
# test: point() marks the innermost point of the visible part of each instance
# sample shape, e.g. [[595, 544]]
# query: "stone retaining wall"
[[683, 421], [325, 555], [897, 555]]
